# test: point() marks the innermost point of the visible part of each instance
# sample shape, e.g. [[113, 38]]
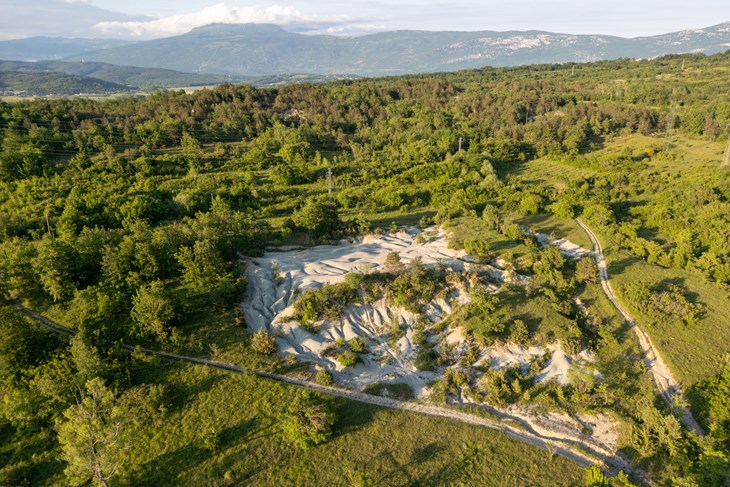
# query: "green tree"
[[531, 204], [319, 219], [22, 343], [586, 270], [393, 264], [191, 149], [308, 421], [204, 270], [563, 208], [93, 436], [595, 477], [55, 265], [86, 358], [17, 275], [153, 310], [491, 217], [519, 333], [263, 342]]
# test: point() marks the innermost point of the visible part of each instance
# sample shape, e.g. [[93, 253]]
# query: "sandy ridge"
[[572, 448], [668, 386]]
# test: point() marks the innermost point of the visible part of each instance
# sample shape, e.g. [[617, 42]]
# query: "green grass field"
[[693, 352], [370, 446]]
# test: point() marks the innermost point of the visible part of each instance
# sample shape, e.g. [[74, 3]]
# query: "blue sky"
[[145, 19]]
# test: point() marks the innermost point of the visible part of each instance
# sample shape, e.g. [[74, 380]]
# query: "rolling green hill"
[[146, 79], [45, 84], [43, 78]]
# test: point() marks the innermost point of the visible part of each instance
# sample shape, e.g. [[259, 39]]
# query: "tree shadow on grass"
[[405, 219], [399, 473], [179, 395], [351, 416], [243, 432], [618, 267], [163, 469], [20, 463], [233, 443]]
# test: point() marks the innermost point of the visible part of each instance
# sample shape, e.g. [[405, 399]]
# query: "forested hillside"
[[267, 49], [57, 84], [128, 220], [147, 79]]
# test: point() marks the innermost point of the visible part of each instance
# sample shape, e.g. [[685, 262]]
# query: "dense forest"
[[128, 220]]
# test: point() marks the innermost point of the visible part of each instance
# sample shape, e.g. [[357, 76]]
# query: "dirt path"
[[574, 448], [668, 386]]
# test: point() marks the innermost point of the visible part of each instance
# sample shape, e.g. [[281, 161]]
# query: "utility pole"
[[682, 64], [459, 144], [329, 181], [572, 71], [670, 127], [48, 225]]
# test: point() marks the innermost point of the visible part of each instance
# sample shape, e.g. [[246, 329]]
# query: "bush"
[[318, 219], [513, 232], [425, 358], [393, 264], [347, 358], [586, 270], [415, 286], [519, 334], [480, 249], [324, 377], [153, 311], [328, 303], [403, 392], [357, 345], [308, 421], [263, 342]]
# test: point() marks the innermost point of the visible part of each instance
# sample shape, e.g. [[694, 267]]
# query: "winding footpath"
[[579, 450], [668, 386]]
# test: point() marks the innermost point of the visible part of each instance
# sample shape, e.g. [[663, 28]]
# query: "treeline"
[[127, 216], [101, 200]]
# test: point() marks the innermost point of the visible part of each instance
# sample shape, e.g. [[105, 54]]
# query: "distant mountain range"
[[44, 48], [44, 78], [26, 83], [266, 55], [131, 77], [261, 49]]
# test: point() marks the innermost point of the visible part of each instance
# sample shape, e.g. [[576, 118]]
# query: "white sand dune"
[[511, 355], [567, 247], [278, 277]]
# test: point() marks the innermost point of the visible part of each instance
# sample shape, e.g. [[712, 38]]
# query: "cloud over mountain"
[[294, 19]]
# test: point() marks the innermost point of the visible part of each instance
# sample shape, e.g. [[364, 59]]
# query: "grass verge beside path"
[[221, 429], [692, 351], [371, 445]]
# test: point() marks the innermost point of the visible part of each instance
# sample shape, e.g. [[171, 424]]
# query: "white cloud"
[[223, 14]]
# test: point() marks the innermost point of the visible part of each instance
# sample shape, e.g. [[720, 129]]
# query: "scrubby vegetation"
[[410, 288], [127, 219]]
